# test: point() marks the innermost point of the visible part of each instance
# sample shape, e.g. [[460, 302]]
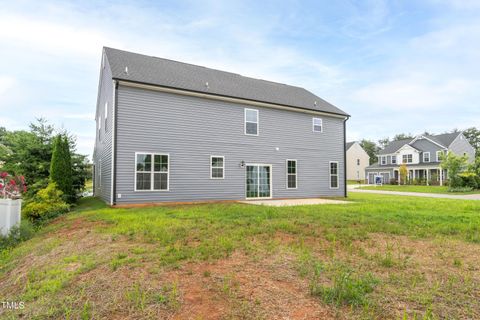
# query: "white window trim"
[[313, 124], [153, 154], [429, 159], [391, 159], [383, 160], [438, 155], [406, 155], [245, 122], [332, 175], [271, 180], [287, 174], [223, 168]]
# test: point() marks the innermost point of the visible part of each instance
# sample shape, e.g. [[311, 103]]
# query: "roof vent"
[[126, 70], [315, 103], [206, 85]]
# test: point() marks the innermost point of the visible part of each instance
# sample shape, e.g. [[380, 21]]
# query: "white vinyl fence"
[[10, 214]]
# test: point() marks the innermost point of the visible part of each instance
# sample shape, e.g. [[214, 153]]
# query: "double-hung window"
[[383, 160], [407, 158], [151, 171], [251, 122], [317, 124], [439, 155], [358, 162], [333, 175], [426, 157], [217, 167], [291, 174]]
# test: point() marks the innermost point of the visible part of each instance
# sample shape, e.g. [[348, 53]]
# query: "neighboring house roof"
[[393, 146], [173, 74], [445, 140], [349, 144]]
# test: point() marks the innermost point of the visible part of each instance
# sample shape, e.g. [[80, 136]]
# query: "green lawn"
[[378, 257], [411, 188]]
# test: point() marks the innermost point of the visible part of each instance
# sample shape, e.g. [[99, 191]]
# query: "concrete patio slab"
[[294, 202]]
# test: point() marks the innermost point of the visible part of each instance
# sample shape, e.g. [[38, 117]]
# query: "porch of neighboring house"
[[431, 176]]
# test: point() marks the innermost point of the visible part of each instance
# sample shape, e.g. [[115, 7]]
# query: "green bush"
[[469, 179], [460, 189], [46, 204], [16, 235]]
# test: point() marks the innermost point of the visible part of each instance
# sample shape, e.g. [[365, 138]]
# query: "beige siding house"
[[357, 161]]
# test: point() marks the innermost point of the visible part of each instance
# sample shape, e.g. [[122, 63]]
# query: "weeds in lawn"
[[347, 289]]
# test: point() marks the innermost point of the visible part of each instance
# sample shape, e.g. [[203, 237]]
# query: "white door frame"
[[258, 172]]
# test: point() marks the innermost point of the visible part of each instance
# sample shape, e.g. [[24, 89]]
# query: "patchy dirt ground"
[[78, 271]]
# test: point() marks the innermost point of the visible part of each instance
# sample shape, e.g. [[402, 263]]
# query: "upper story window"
[[394, 160], [151, 171], [106, 115], [358, 162], [407, 158], [291, 174], [383, 160], [333, 175], [251, 122], [317, 124], [426, 157], [439, 155], [217, 167]]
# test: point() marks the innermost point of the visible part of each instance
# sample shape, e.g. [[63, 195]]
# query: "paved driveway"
[[354, 188]]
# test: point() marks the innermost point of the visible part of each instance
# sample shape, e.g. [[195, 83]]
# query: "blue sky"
[[395, 66]]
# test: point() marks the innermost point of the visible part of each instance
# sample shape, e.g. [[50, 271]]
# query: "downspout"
[[345, 156], [114, 143]]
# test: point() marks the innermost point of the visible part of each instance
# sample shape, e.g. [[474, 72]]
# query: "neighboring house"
[[171, 132], [421, 156], [357, 161]]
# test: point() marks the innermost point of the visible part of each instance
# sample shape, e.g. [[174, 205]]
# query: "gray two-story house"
[[421, 155], [175, 132]]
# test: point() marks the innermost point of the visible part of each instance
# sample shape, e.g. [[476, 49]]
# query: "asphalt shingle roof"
[[444, 139], [348, 145], [174, 74]]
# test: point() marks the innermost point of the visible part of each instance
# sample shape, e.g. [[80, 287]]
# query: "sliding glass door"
[[258, 181]]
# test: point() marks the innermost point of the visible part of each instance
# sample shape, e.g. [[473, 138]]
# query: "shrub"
[[469, 179], [46, 204], [16, 235], [460, 189]]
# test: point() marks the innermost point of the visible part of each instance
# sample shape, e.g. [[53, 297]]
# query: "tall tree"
[[61, 167], [473, 136], [402, 136], [383, 142], [370, 148]]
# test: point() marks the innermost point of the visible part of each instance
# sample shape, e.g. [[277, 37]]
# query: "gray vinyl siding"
[[461, 145], [427, 146], [103, 143], [191, 129]]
